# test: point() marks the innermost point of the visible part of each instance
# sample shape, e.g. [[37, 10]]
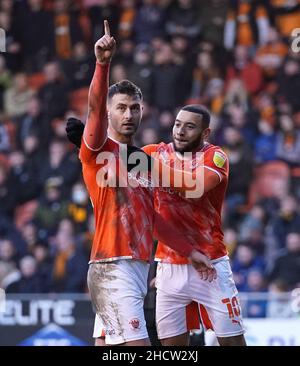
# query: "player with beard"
[[125, 219], [176, 281], [178, 286]]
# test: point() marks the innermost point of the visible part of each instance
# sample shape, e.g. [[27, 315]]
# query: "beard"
[[190, 146]]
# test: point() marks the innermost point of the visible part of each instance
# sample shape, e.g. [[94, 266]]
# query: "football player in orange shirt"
[[178, 286], [200, 218], [125, 219]]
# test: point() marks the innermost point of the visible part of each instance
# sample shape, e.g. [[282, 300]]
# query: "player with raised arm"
[[200, 218], [125, 219]]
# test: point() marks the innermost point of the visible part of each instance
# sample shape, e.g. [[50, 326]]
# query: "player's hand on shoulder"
[[105, 46]]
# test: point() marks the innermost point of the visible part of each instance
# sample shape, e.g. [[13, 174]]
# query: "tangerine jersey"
[[198, 218]]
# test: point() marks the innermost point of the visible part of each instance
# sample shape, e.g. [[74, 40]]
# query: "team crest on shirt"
[[135, 324], [194, 163], [219, 159]]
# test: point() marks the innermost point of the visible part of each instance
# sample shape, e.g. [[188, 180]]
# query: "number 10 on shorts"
[[233, 307]]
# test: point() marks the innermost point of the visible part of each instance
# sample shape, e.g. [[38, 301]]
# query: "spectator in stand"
[[287, 265], [203, 73], [33, 122], [289, 81], [5, 79], [256, 308], [13, 50], [70, 264], [240, 160], [35, 29], [287, 147], [60, 164], [127, 16], [148, 135], [265, 142], [149, 21], [51, 208], [5, 143], [17, 97], [7, 192], [118, 73], [212, 18], [44, 265], [245, 260], [98, 11], [124, 54], [166, 78], [8, 252], [79, 208], [80, 67], [30, 235], [247, 24], [53, 94], [252, 229], [8, 274], [285, 15], [286, 220], [141, 71], [183, 19], [66, 30], [29, 283], [166, 121], [23, 177], [244, 68], [271, 55]]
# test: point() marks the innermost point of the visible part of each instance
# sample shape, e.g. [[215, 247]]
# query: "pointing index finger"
[[106, 28]]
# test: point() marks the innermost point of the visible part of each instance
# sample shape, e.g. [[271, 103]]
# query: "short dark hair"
[[125, 87], [199, 109]]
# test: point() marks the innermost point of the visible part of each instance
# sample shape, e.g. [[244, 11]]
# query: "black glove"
[[74, 129]]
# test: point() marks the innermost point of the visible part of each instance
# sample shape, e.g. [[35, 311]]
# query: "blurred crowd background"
[[233, 56]]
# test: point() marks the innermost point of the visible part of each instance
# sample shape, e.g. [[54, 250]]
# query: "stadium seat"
[[78, 100], [271, 180], [36, 81], [25, 213]]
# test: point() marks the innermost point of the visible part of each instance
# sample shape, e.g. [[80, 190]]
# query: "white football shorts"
[[117, 291]]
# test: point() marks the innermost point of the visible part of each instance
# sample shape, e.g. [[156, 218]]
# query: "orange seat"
[[79, 100], [36, 81], [25, 213], [271, 180]]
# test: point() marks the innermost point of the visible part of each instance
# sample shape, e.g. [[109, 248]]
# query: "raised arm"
[[95, 131]]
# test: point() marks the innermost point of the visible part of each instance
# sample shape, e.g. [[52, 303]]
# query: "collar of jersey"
[[117, 142]]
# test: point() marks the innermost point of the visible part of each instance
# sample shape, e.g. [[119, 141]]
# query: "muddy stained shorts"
[[117, 291]]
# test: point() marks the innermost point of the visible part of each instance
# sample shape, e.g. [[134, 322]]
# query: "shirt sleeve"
[[87, 155], [217, 161]]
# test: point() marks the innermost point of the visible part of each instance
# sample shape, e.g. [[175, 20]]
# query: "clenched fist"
[[105, 46]]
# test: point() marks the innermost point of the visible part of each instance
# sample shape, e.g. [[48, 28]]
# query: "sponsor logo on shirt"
[[219, 159]]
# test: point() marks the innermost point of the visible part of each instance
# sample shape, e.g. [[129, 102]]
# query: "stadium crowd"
[[235, 57]]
